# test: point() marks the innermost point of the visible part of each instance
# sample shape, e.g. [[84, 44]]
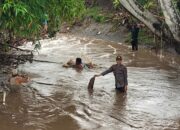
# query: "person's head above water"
[[78, 61], [118, 59]]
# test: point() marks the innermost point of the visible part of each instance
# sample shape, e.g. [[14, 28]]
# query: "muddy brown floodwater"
[[57, 98]]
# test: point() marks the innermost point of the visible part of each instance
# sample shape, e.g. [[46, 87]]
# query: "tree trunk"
[[143, 15], [170, 32], [172, 18]]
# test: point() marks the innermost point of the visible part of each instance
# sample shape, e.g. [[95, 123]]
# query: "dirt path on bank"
[[104, 31]]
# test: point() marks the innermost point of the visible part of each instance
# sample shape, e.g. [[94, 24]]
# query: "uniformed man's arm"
[[105, 72]]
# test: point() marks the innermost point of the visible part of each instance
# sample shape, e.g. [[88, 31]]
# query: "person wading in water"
[[16, 80], [78, 64], [120, 74]]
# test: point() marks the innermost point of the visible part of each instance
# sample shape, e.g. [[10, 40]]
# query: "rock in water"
[[91, 83]]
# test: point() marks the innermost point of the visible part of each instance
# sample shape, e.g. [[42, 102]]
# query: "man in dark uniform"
[[120, 74], [134, 36]]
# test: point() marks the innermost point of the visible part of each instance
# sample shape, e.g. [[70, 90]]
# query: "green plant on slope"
[[24, 18], [96, 14]]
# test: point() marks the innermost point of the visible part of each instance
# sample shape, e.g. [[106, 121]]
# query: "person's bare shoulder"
[[70, 63]]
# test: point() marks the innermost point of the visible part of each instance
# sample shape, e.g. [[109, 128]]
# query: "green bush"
[[97, 14], [24, 18]]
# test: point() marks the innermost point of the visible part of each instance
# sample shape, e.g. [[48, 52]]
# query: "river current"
[[57, 98]]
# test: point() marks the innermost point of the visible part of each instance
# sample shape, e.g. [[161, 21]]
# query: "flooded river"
[[57, 98]]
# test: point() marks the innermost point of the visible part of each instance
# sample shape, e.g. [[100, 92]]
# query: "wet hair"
[[78, 61], [118, 58]]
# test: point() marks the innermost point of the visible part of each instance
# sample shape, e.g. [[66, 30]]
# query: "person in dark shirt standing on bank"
[[134, 36], [134, 28], [120, 74]]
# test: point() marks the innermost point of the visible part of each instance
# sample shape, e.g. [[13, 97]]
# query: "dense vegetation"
[[24, 18]]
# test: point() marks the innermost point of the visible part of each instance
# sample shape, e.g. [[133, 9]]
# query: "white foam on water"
[[115, 50]]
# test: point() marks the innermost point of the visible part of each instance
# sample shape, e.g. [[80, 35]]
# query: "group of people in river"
[[118, 69]]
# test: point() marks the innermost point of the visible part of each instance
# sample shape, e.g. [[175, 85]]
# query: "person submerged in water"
[[120, 74], [78, 64], [16, 80]]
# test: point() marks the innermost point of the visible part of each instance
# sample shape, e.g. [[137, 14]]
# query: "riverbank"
[[103, 21], [11, 60], [103, 31], [109, 31]]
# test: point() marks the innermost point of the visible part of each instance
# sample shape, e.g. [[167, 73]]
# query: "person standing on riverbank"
[[134, 36], [120, 74], [134, 28], [45, 23]]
